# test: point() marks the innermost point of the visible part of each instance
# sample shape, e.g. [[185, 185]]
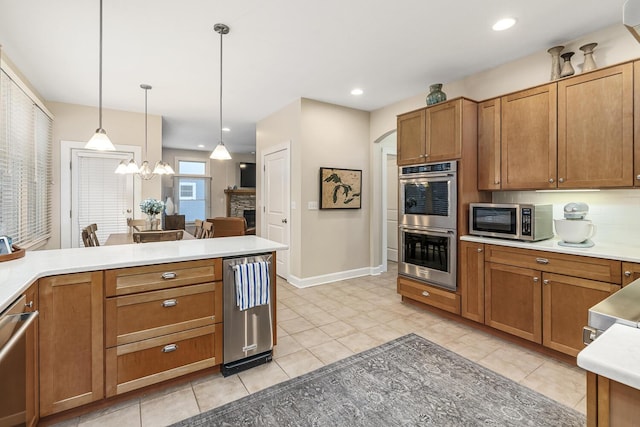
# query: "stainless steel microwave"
[[511, 221]]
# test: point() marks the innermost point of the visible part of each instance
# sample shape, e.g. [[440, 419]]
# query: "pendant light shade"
[[144, 171], [220, 152], [100, 140]]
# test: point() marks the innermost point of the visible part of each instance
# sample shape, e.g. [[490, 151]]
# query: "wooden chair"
[[197, 232], [207, 230], [157, 236], [229, 226], [136, 224], [89, 237]]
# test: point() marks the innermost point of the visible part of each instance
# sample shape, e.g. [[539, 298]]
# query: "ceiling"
[[276, 52]]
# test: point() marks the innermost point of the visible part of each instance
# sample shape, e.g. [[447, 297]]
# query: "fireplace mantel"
[[238, 192]]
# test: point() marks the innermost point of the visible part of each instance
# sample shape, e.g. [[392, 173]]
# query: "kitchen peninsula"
[[114, 319]]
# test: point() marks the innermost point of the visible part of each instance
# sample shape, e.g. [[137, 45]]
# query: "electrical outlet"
[[312, 206]]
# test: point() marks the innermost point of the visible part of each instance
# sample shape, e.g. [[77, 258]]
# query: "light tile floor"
[[323, 324]]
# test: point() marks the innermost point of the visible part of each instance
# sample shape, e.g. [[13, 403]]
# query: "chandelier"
[[144, 171]]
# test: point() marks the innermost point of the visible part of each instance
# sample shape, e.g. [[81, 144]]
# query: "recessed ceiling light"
[[226, 130], [357, 91], [504, 24], [200, 145]]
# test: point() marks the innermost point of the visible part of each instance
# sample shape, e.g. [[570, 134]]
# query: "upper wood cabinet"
[[489, 118], [71, 341], [636, 121], [411, 138], [529, 140], [595, 129], [444, 131]]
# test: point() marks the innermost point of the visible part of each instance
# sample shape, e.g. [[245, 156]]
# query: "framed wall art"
[[340, 188]]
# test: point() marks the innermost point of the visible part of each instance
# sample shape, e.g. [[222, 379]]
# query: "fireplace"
[[250, 217]]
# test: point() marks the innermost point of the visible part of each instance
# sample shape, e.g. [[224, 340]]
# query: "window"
[[25, 166], [192, 185]]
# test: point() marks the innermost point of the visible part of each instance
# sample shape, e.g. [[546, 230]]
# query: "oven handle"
[[423, 178], [441, 231], [28, 319]]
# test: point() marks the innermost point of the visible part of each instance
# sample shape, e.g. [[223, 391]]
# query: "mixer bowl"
[[574, 230]]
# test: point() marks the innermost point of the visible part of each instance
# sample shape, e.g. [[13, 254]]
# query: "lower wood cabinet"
[[513, 300], [71, 342], [472, 281], [33, 377], [610, 403], [431, 295], [630, 272]]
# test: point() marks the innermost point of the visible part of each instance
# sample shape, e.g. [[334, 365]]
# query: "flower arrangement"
[[152, 206]]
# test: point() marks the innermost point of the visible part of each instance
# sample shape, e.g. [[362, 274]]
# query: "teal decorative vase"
[[436, 94]]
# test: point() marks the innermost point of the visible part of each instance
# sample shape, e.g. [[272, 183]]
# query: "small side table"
[[173, 222]]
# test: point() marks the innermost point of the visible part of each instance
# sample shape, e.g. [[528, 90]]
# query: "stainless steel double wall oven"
[[427, 223]]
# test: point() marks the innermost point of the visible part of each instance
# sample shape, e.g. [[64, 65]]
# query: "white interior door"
[[92, 193], [276, 205], [392, 208]]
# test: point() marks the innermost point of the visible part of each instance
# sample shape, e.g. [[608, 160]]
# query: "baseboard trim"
[[307, 282]]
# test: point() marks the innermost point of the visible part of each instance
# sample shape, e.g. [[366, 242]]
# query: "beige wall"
[[79, 122], [223, 173]]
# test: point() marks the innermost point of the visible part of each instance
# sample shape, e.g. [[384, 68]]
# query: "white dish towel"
[[252, 284]]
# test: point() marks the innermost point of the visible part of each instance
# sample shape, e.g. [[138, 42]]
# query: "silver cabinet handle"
[[560, 180], [638, 177], [169, 348], [169, 275], [550, 180], [425, 293], [169, 303], [545, 281], [496, 182], [542, 261], [30, 303], [479, 249], [627, 274], [535, 279]]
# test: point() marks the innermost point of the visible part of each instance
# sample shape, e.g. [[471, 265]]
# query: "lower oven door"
[[429, 255]]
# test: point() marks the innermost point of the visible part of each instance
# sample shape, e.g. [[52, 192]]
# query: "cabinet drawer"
[[139, 364], [444, 300], [124, 281], [146, 315], [603, 270]]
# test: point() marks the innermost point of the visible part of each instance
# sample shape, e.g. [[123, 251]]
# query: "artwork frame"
[[340, 188]]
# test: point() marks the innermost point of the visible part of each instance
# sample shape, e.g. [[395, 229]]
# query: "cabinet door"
[[489, 145], [513, 300], [472, 280], [529, 139], [411, 138], [630, 272], [71, 341], [444, 131], [32, 406], [636, 121], [595, 129], [565, 305]]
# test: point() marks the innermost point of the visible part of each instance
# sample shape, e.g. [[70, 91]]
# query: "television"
[[248, 175]]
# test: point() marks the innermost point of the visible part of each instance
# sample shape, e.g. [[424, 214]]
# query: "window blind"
[[25, 166]]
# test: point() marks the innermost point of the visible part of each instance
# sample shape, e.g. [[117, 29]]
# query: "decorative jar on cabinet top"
[[436, 94]]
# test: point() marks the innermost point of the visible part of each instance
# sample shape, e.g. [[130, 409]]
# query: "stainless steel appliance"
[[516, 221], [428, 204], [428, 254], [621, 307], [428, 195], [14, 369], [248, 334]]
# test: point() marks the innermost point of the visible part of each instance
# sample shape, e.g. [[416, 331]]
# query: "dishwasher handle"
[[27, 319]]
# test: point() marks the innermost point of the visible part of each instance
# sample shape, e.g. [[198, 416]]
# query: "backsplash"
[[616, 213]]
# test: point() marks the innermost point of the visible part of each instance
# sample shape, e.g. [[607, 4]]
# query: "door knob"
[[284, 220]]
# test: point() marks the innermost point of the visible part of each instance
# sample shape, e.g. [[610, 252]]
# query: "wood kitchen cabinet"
[[161, 321], [595, 129], [444, 130], [610, 403], [411, 138], [472, 281], [529, 138], [71, 342], [33, 377], [489, 144], [636, 122], [566, 302], [513, 300], [630, 272]]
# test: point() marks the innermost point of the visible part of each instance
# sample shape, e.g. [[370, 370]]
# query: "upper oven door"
[[428, 201]]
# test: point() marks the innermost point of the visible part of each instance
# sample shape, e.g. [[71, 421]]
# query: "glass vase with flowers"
[[152, 207]]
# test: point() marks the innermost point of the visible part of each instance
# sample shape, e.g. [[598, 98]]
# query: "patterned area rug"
[[406, 382]]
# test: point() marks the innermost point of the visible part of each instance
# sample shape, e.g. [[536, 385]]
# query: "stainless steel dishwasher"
[[248, 334]]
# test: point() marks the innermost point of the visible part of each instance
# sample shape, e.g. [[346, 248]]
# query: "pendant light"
[[100, 140], [220, 152], [144, 171]]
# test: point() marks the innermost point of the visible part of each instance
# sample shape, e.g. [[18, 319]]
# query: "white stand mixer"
[[575, 231]]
